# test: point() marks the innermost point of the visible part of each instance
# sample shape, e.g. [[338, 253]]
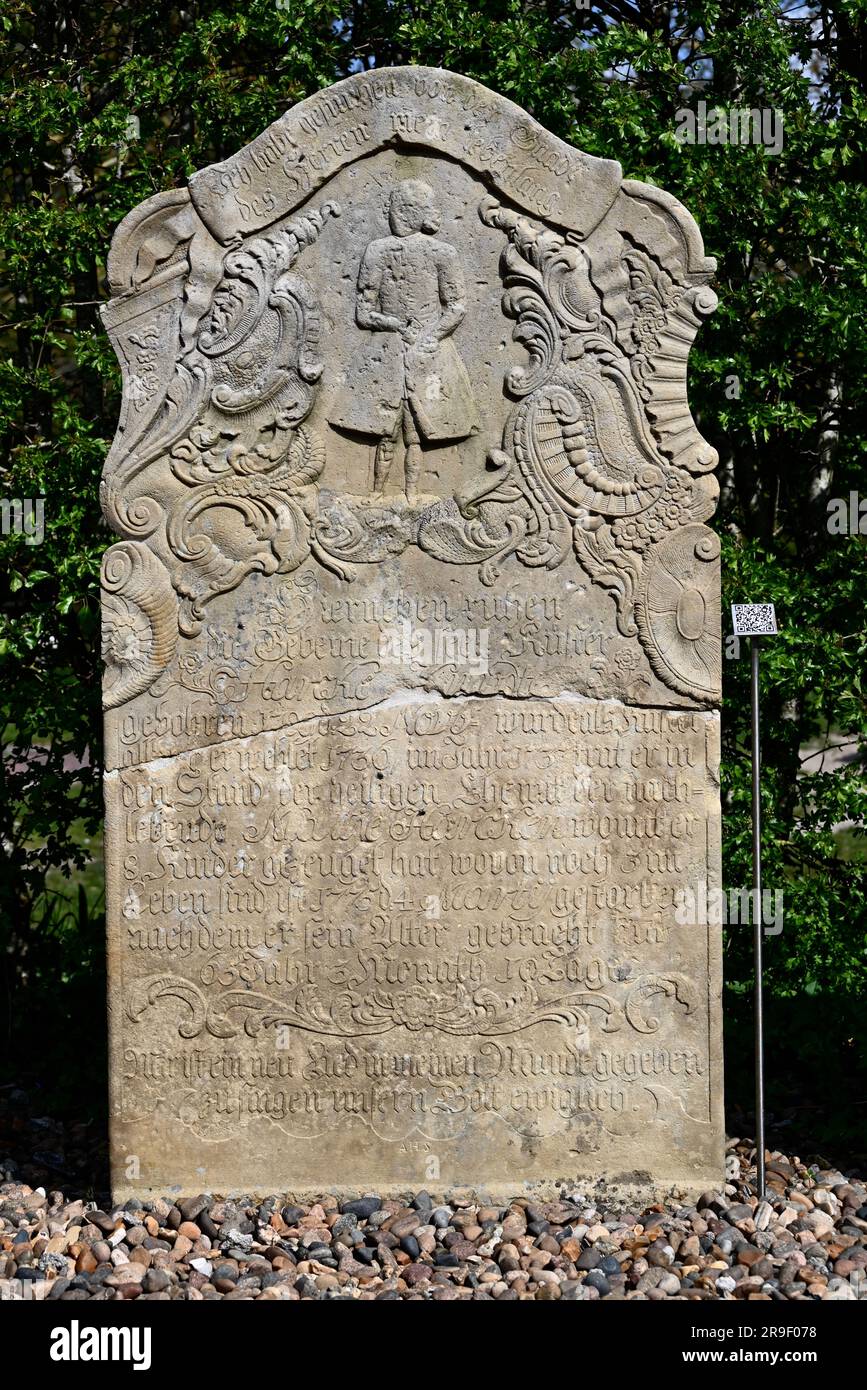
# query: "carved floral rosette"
[[214, 470]]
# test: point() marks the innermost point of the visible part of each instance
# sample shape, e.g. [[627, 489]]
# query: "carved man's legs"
[[383, 459], [384, 456], [412, 460]]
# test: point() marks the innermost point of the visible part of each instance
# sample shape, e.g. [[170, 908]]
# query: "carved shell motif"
[[677, 611], [139, 621], [580, 432]]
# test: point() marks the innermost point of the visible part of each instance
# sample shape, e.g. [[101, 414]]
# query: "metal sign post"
[[757, 620]]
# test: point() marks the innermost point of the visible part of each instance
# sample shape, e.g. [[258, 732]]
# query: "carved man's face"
[[411, 208]]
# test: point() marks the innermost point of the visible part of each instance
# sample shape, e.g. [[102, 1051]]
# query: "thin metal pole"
[[757, 922]]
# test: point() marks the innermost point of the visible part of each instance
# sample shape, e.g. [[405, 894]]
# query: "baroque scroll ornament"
[[585, 465], [231, 428], [139, 621], [369, 1010]]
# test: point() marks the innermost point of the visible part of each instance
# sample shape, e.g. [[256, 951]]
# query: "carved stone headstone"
[[412, 657]]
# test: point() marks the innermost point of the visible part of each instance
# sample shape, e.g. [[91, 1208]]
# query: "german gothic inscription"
[[412, 662]]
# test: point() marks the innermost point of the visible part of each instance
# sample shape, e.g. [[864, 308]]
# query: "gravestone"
[[412, 663]]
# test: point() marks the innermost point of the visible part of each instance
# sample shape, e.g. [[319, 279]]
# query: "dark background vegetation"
[[103, 104]]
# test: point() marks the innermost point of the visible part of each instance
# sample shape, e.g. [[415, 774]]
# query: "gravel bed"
[[807, 1241]]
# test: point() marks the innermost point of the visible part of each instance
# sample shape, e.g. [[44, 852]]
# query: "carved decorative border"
[[217, 332]]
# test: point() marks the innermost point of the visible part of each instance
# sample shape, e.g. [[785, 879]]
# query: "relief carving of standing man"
[[409, 381]]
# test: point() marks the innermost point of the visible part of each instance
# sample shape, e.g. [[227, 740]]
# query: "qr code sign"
[[754, 619]]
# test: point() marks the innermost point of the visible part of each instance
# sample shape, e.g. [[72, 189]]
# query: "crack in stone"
[[405, 696]]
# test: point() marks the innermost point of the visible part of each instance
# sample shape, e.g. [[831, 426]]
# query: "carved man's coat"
[[415, 281]]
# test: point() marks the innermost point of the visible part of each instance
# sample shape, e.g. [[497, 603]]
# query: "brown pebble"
[[748, 1255], [405, 1225], [463, 1249]]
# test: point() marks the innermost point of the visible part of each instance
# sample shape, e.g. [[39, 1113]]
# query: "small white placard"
[[754, 619]]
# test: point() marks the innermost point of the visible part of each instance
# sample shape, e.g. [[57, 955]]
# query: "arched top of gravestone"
[[412, 107], [404, 107]]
